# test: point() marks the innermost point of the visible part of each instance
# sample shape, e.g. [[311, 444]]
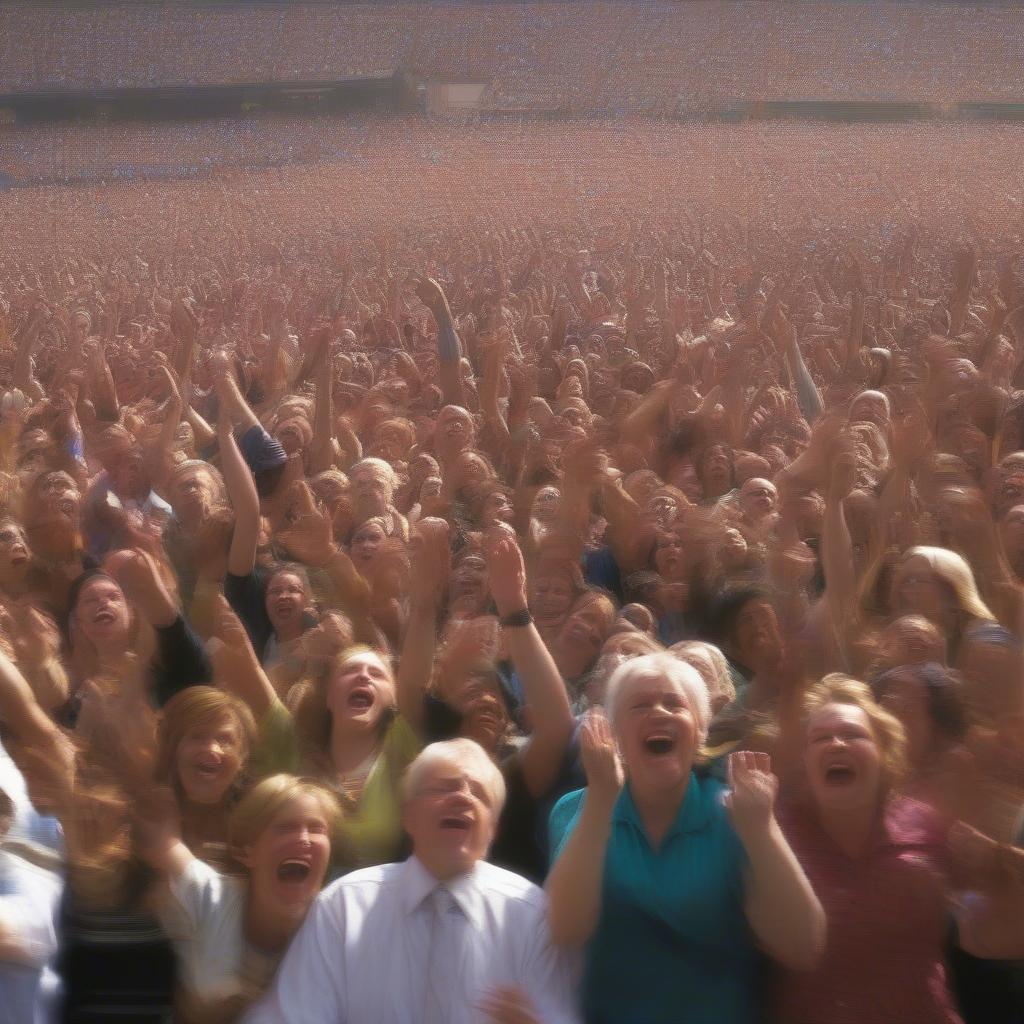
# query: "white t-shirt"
[[205, 919], [29, 902]]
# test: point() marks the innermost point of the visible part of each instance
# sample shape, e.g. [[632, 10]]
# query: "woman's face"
[[657, 730], [757, 636], [669, 555], [586, 627], [917, 589], [842, 758], [192, 494], [484, 715], [14, 550], [209, 758], [286, 600], [102, 614], [366, 543], [545, 504], [288, 861], [551, 597], [469, 583], [496, 509], [361, 691]]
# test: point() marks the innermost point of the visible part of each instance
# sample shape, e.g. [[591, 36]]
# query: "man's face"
[[451, 819], [757, 498]]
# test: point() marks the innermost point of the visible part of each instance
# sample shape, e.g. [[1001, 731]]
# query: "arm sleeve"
[[310, 984], [181, 661], [549, 975], [245, 595], [30, 914], [564, 816], [807, 396], [448, 348]]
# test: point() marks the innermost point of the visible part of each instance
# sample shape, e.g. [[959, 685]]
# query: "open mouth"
[[208, 769], [360, 698], [456, 823], [293, 871], [104, 617], [839, 775], [284, 607], [19, 557], [660, 744]]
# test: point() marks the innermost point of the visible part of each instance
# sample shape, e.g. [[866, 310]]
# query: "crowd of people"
[[528, 574], [606, 56]]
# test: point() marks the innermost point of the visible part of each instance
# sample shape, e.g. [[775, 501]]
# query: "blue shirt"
[[672, 945]]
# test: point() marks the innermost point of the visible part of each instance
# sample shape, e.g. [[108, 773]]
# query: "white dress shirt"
[[380, 946]]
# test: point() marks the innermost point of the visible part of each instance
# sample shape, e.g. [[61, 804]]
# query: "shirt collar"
[[693, 815], [418, 883]]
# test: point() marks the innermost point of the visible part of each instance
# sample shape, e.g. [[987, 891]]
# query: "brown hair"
[[191, 707]]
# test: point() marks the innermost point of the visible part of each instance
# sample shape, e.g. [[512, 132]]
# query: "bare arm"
[[546, 696], [781, 907], [574, 883], [430, 568]]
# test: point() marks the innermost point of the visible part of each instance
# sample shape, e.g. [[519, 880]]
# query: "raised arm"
[[431, 564], [574, 884], [235, 665], [321, 455], [781, 907], [241, 489], [449, 350], [546, 697]]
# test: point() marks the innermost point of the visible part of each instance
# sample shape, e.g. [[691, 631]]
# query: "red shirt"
[[887, 921]]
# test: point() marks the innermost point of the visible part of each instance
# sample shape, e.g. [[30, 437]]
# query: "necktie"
[[444, 957]]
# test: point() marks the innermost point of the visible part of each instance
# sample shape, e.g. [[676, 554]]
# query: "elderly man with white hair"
[[443, 936], [671, 883]]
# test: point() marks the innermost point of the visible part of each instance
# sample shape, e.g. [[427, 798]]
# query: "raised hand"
[[309, 538], [600, 755], [431, 561], [751, 799], [506, 569]]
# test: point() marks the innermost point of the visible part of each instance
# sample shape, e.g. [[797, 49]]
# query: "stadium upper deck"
[[586, 57]]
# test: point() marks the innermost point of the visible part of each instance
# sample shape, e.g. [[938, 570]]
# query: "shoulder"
[[912, 823], [362, 882], [566, 810], [507, 885]]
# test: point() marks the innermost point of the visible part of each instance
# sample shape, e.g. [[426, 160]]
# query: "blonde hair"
[[265, 800], [837, 688], [955, 573]]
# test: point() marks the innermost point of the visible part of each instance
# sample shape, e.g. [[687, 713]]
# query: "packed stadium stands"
[[581, 57]]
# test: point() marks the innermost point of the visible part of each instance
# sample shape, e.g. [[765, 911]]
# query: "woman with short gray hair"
[[669, 881]]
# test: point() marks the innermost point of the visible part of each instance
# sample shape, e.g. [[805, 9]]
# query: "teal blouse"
[[672, 943]]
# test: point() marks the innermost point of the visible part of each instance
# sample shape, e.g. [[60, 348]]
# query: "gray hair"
[[696, 652], [385, 468], [469, 756], [685, 678]]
